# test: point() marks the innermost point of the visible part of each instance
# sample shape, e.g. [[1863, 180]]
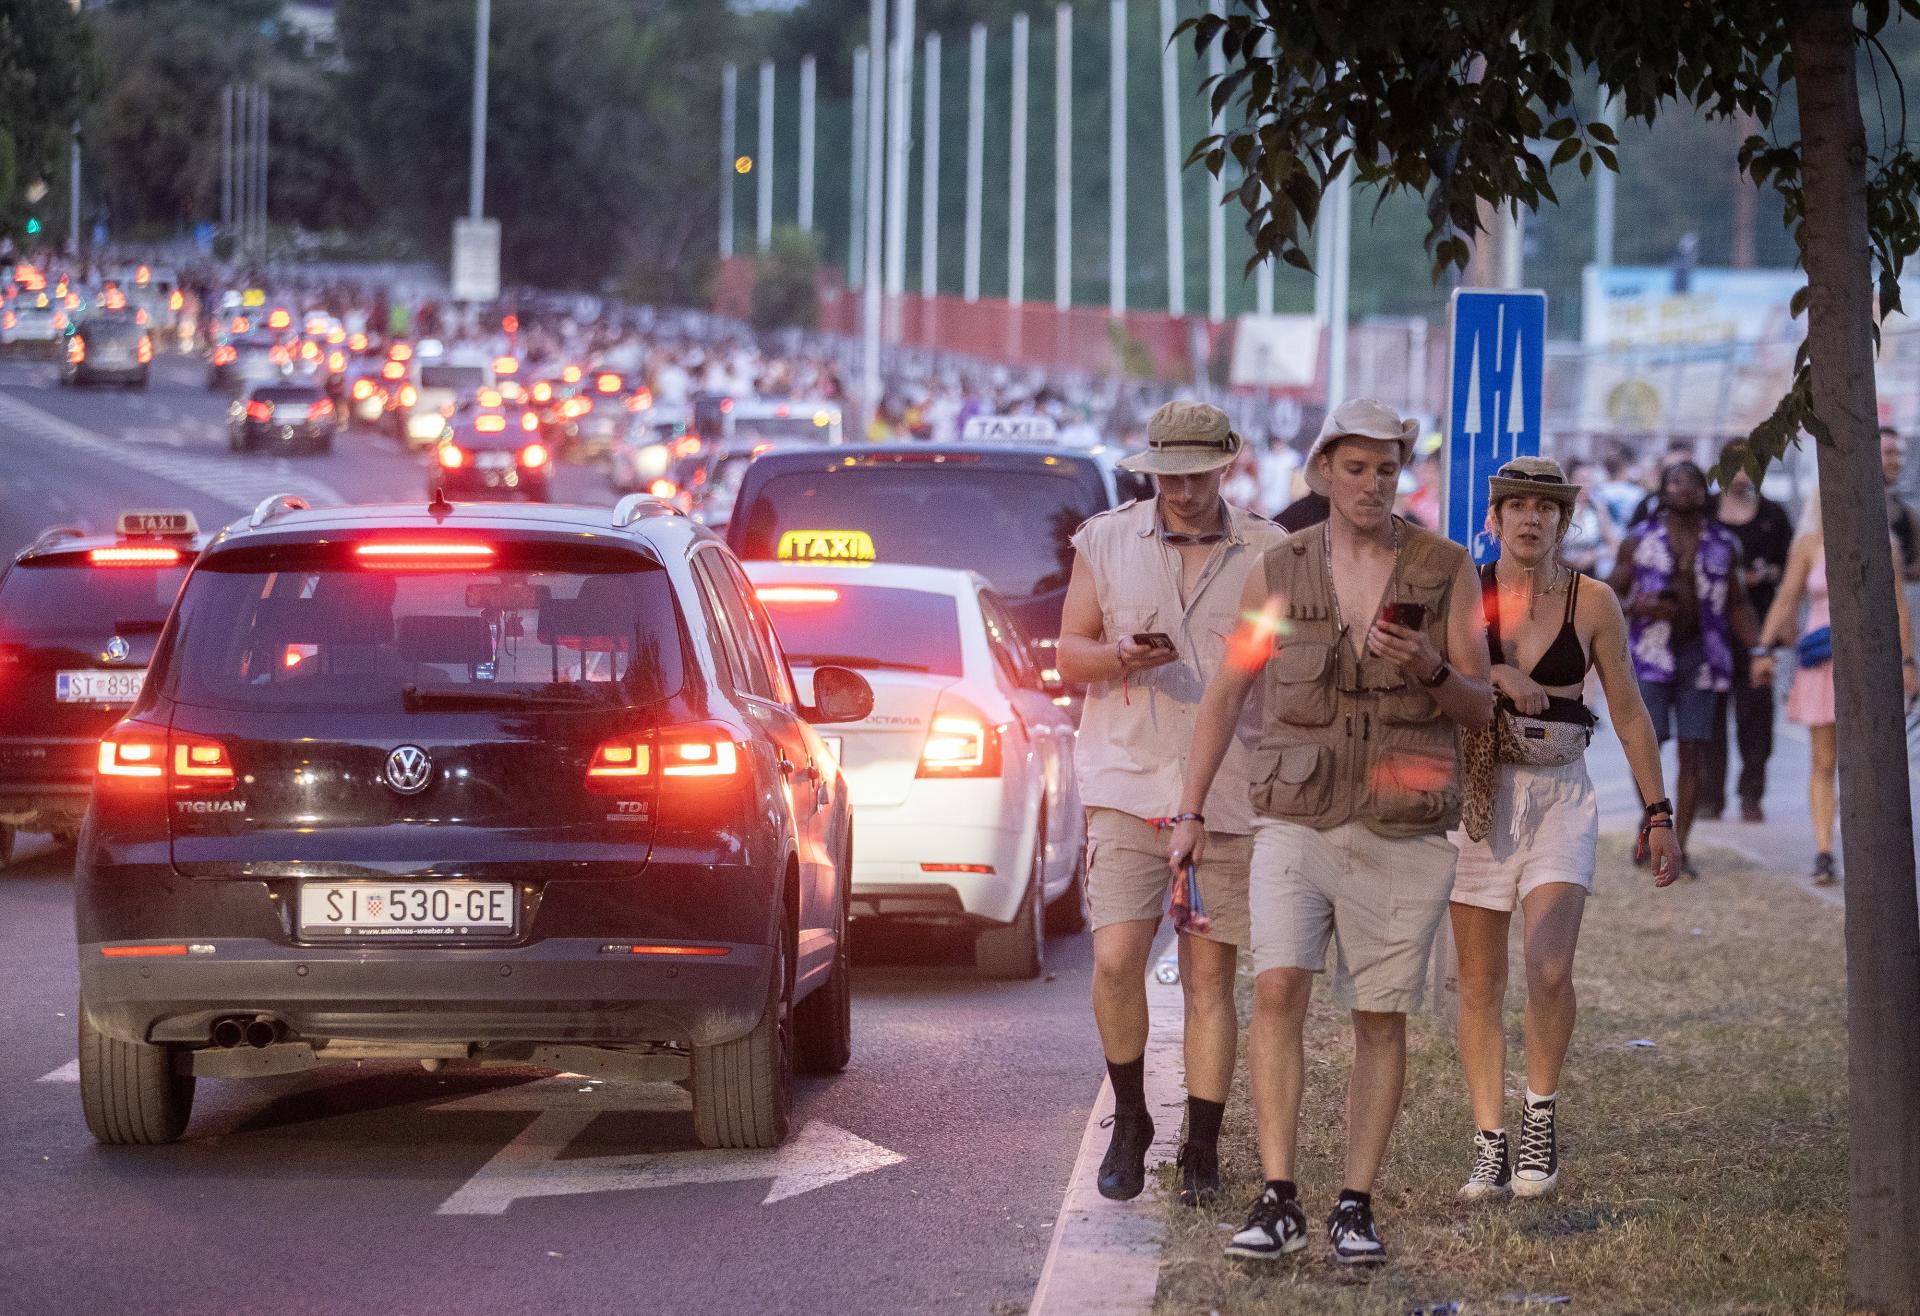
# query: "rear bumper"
[[890, 860], [43, 807], [303, 435], [92, 374], [558, 990]]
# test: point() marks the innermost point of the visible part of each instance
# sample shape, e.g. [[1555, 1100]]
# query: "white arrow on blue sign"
[[1496, 368]]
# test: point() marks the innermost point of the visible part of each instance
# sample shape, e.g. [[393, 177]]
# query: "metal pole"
[[73, 192], [226, 158], [260, 192], [809, 92], [976, 153], [729, 89], [930, 175], [899, 148], [1216, 193], [1342, 196], [763, 162], [477, 150], [1170, 153], [1017, 170], [1604, 183], [242, 134], [1063, 156], [876, 173], [857, 148], [1117, 160]]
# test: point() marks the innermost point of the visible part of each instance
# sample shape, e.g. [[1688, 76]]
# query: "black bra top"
[[1565, 662]]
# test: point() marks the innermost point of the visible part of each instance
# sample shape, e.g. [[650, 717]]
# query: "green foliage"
[[47, 72], [1474, 104], [785, 281]]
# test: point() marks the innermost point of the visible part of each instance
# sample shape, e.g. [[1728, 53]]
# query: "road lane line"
[[67, 1073], [1105, 1256]]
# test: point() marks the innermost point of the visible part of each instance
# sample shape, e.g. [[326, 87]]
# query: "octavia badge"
[[118, 650], [409, 769]]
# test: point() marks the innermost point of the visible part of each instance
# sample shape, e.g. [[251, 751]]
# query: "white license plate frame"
[[92, 686], [366, 909]]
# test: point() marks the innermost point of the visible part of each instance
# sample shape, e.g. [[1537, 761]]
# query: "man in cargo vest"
[[1149, 610], [1379, 654]]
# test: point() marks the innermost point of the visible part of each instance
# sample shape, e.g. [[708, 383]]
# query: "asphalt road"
[[923, 1179]]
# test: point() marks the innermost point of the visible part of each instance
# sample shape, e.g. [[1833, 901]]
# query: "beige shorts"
[[1546, 823], [1378, 899], [1127, 877]]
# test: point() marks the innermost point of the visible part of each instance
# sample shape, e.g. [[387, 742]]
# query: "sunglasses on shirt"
[[1178, 538]]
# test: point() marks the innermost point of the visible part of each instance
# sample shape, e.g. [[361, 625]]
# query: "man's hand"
[[1521, 690], [1143, 657], [1413, 652], [1188, 845]]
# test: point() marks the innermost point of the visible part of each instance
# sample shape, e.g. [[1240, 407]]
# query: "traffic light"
[[33, 225]]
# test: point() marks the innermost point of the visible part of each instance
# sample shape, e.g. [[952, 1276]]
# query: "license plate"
[[98, 687], [493, 461], [406, 909]]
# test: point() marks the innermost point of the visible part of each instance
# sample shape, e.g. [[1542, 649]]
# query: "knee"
[[1118, 969], [1282, 993], [1482, 989], [1372, 1028], [1549, 977]]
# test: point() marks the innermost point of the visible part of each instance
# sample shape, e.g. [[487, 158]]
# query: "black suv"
[[473, 783], [79, 615]]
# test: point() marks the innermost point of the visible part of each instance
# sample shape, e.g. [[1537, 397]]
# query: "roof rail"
[[634, 506], [54, 534], [277, 505]]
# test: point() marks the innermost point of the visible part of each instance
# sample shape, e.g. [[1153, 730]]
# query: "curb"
[[1104, 1259]]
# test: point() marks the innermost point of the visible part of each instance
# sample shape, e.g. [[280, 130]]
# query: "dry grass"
[[1706, 1175]]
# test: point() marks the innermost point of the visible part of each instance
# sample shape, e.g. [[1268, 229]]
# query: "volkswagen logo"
[[409, 769], [118, 650]]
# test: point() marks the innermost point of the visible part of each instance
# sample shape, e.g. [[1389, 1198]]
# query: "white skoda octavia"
[[965, 804]]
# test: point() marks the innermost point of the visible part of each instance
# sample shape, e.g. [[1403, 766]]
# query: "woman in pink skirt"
[[1810, 698]]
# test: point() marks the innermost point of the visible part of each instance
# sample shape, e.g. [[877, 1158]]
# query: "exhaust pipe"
[[229, 1033], [263, 1031]]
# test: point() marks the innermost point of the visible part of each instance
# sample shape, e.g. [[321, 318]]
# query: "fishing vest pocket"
[[1299, 687], [1291, 782], [1415, 789]]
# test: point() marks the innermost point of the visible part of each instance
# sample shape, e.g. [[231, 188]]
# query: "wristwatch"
[[1439, 677]]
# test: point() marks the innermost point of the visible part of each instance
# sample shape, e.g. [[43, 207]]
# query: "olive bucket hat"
[[1186, 438], [1359, 418]]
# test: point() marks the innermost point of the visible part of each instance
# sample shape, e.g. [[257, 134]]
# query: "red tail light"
[[321, 409], [490, 424], [76, 350], [400, 352], [136, 756], [663, 488], [393, 370], [134, 555], [200, 764], [684, 754], [529, 422], [452, 456], [224, 355], [543, 392], [778, 594], [260, 411], [423, 554], [409, 395], [533, 456], [960, 743], [144, 352], [336, 361], [505, 365], [680, 753], [362, 389], [619, 765]]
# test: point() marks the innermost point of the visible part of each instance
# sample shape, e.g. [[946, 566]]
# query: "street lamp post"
[[477, 152]]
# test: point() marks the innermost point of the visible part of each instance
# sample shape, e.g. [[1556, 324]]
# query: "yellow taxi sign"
[[254, 297], [826, 546], [164, 523]]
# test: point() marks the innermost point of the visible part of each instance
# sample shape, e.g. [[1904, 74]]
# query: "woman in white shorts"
[[1546, 626]]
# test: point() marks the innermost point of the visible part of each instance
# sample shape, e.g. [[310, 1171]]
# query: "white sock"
[[1535, 1099], [1495, 1133]]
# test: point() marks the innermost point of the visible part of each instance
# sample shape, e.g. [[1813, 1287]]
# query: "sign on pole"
[[476, 260], [1496, 366]]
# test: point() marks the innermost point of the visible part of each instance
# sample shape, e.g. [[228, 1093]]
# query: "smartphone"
[[1153, 640], [1412, 616]]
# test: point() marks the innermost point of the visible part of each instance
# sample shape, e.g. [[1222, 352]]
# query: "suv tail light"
[[133, 555], [143, 353], [362, 389], [140, 757], [76, 350], [960, 743], [452, 456], [200, 764], [533, 456], [645, 759], [260, 411]]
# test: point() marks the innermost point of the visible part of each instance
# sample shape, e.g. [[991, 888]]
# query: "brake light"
[[663, 488], [510, 323], [400, 352], [76, 350], [260, 411], [702, 757], [409, 395], [726, 405], [240, 324], [619, 764], [309, 351], [488, 397], [452, 456], [505, 365], [144, 352], [529, 422], [10, 320], [279, 320], [490, 424], [175, 301], [570, 374], [133, 755], [393, 370], [400, 554], [778, 594], [321, 409], [200, 764], [543, 392], [224, 355], [357, 343], [134, 555], [533, 456], [687, 447], [336, 361], [608, 383], [336, 336], [960, 743], [362, 389]]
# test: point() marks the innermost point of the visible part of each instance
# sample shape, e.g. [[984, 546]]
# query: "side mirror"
[[839, 695]]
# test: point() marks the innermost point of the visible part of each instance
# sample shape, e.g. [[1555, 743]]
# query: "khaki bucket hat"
[[1533, 477], [1359, 418], [1186, 438]]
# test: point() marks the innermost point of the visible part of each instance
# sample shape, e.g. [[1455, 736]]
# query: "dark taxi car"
[[468, 783], [492, 455], [283, 417], [79, 615]]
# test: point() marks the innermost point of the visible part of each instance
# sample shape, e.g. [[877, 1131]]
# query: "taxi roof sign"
[[825, 546], [165, 524], [254, 297], [1010, 429]]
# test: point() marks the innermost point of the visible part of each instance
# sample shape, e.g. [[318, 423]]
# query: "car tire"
[[130, 1092], [1069, 913], [1018, 949], [823, 1022], [743, 1089]]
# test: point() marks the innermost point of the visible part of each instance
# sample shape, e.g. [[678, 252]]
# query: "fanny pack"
[[1814, 648], [1558, 734]]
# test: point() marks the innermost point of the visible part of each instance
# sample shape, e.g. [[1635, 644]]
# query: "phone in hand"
[[1153, 640], [1400, 612]]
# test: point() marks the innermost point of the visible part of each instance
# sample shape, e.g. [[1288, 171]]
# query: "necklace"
[[1333, 590], [1531, 592]]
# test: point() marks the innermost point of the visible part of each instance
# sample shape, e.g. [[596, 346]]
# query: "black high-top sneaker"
[[1536, 1167], [1490, 1176]]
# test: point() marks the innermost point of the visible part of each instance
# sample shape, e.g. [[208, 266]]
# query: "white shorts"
[[1546, 822]]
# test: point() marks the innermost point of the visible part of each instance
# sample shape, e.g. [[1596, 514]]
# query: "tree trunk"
[[1882, 921]]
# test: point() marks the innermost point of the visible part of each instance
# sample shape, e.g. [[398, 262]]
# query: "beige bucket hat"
[[1533, 477], [1186, 438], [1359, 418]]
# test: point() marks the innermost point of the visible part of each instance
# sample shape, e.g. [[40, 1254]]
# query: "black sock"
[[1129, 1086], [1203, 1119], [1283, 1189], [1355, 1195]]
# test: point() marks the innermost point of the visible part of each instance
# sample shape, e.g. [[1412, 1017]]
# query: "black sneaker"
[[1350, 1229], [1123, 1171], [1199, 1173], [1536, 1169], [1275, 1226], [1823, 874], [1490, 1176]]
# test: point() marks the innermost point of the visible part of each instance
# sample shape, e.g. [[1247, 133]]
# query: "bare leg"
[[1552, 922], [1480, 937], [1686, 792], [1206, 974], [1822, 786], [1373, 1093], [1120, 953], [1276, 1064]]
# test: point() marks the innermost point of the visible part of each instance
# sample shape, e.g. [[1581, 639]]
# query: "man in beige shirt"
[[1151, 607]]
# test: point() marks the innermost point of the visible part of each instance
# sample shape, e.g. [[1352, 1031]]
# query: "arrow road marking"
[[817, 1155]]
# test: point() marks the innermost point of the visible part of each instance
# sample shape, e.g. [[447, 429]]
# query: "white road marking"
[[67, 1073], [815, 1156]]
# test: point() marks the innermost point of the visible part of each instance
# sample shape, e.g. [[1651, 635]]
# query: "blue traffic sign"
[[1496, 366]]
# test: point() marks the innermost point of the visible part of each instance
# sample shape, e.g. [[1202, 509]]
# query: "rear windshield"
[[460, 379], [110, 331], [280, 396], [347, 639], [1013, 525], [66, 600], [782, 429], [865, 626]]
